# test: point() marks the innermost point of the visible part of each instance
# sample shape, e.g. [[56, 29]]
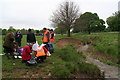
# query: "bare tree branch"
[[66, 15]]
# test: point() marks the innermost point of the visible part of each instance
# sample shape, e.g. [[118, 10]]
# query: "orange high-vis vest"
[[52, 37], [40, 52], [45, 36]]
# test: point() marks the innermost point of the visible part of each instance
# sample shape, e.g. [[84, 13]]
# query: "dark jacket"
[[18, 37], [9, 41], [31, 37]]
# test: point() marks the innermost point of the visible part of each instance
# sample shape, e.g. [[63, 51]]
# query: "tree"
[[4, 31], [11, 29], [59, 30], [0, 31], [65, 16], [97, 26], [114, 22], [89, 22], [37, 31], [24, 31]]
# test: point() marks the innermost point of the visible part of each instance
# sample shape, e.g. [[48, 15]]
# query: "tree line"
[[67, 18], [23, 31]]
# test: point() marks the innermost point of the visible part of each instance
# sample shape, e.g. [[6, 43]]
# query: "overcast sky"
[[36, 13]]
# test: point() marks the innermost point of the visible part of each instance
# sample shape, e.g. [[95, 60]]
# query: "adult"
[[9, 45], [52, 34], [46, 36], [18, 38], [31, 37], [41, 54]]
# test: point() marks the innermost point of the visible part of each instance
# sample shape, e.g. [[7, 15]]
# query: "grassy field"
[[65, 62], [104, 42]]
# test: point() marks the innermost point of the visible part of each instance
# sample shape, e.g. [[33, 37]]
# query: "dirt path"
[[109, 71]]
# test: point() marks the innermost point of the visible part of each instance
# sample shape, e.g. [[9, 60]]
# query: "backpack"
[[31, 62]]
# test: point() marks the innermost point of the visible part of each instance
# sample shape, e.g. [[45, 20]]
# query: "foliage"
[[114, 22], [89, 22], [60, 31], [23, 31], [0, 31], [11, 29]]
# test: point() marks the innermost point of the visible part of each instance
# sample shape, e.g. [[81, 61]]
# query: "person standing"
[[52, 34], [18, 38], [9, 45], [31, 37], [46, 36]]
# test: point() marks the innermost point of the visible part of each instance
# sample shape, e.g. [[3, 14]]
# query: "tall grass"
[[104, 42], [72, 62]]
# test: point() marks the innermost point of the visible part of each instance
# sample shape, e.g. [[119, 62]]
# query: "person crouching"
[[41, 54], [26, 56]]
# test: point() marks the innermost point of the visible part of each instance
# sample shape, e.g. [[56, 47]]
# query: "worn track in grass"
[[108, 70]]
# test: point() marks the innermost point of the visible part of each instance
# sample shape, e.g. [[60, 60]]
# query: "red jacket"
[[26, 53]]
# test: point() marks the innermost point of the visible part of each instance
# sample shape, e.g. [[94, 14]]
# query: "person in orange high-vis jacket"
[[46, 38], [52, 34], [41, 54]]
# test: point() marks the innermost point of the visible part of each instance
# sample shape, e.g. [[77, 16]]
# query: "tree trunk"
[[68, 33]]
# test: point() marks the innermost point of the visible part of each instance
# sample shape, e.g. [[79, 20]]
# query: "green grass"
[[69, 61], [106, 43], [109, 63], [64, 62]]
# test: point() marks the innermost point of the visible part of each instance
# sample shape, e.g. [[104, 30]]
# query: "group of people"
[[12, 43]]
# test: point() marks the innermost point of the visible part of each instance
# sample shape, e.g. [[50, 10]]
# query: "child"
[[26, 56]]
